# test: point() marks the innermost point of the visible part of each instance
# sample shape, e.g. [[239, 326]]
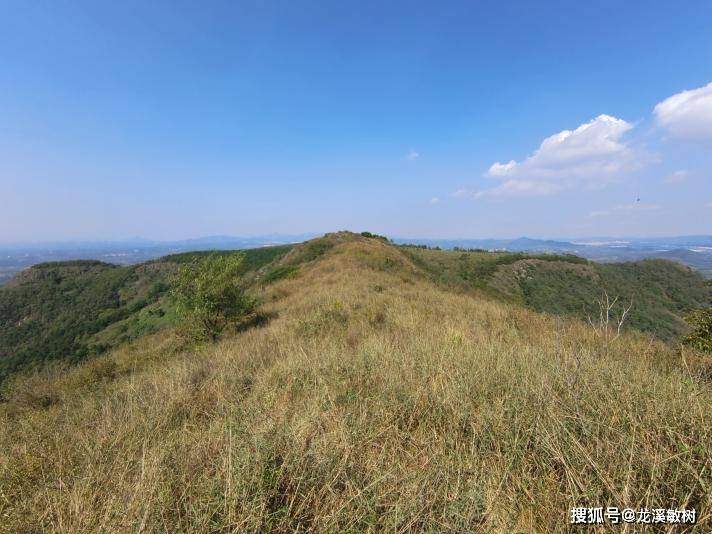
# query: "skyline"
[[279, 238], [462, 120]]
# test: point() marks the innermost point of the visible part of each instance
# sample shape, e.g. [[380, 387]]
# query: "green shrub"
[[701, 335], [209, 294], [375, 236], [278, 273]]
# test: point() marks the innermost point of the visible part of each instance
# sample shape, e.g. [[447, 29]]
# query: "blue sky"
[[416, 119]]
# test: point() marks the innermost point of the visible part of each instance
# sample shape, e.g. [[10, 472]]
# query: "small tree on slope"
[[210, 295]]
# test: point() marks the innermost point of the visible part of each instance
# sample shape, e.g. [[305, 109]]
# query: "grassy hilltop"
[[384, 393]]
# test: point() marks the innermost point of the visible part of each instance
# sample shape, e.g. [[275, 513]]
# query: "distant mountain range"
[[695, 251], [524, 244]]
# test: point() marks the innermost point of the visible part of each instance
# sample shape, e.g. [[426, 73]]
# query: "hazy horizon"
[[309, 235]]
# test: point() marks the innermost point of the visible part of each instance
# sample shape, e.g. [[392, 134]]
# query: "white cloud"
[[676, 177], [435, 200], [412, 155], [593, 154], [502, 169], [687, 114], [520, 188]]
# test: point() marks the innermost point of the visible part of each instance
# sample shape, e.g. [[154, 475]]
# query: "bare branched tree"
[[610, 322]]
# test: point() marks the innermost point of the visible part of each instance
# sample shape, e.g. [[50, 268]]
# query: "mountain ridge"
[[77, 309], [373, 399]]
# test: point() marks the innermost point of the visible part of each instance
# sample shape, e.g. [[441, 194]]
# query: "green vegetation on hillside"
[[50, 311], [252, 259], [662, 292], [71, 310], [700, 336]]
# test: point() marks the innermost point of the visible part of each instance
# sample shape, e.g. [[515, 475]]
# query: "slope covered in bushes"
[[661, 292], [71, 310]]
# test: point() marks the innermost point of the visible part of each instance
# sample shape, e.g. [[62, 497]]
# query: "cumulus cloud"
[[412, 155], [435, 200], [598, 152], [688, 114], [594, 154]]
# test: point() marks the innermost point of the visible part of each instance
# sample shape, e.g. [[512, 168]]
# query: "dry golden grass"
[[374, 401]]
